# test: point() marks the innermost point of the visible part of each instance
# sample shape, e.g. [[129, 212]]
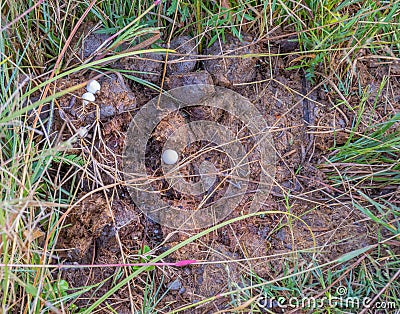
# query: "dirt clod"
[[288, 44], [86, 222], [148, 67], [200, 77], [227, 71], [175, 285], [87, 40], [185, 62], [115, 97]]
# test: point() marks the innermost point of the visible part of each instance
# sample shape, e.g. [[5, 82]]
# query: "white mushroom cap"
[[170, 157], [87, 98], [93, 86]]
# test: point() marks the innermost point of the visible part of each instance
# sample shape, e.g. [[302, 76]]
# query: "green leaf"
[[31, 289], [348, 256]]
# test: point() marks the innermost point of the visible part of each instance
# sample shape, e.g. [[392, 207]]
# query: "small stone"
[[170, 157], [281, 234], [175, 285]]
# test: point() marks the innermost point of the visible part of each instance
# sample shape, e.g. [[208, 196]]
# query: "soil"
[[107, 227]]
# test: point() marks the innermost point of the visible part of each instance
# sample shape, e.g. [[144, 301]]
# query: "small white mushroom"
[[93, 86], [170, 157], [87, 98]]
